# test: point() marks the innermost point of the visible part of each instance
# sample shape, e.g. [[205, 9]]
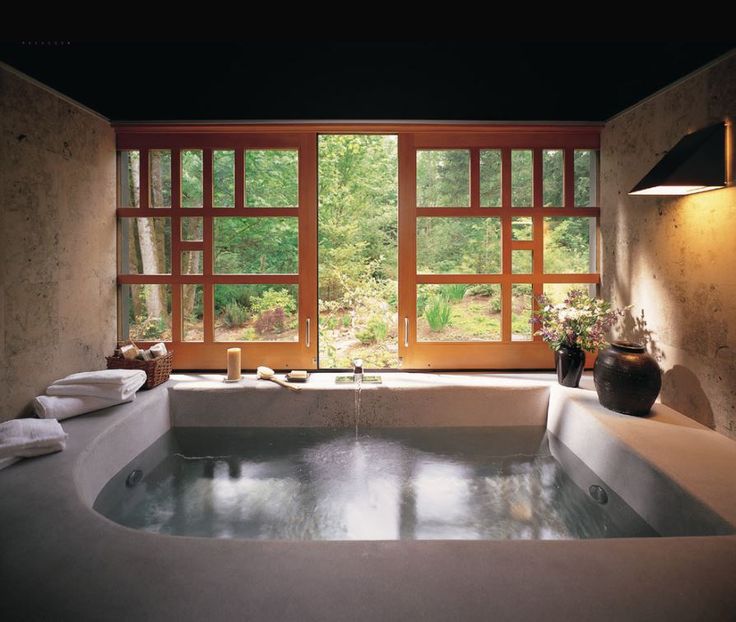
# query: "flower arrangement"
[[578, 322]]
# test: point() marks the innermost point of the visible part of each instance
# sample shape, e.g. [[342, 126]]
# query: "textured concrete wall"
[[57, 244], [674, 258]]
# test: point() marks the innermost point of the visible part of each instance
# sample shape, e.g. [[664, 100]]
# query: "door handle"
[[406, 332], [309, 332]]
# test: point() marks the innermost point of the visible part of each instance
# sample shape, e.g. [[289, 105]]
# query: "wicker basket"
[[157, 370]]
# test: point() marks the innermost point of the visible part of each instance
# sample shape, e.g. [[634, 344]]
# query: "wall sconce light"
[[699, 162]]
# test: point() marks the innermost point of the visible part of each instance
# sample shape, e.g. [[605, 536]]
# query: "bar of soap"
[[129, 351], [298, 374], [145, 355], [157, 349]]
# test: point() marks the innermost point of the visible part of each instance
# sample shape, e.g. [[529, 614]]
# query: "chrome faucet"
[[358, 370]]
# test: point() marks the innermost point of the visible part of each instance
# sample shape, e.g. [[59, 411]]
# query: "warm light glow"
[[675, 190]]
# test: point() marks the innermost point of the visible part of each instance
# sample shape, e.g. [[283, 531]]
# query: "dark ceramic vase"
[[570, 363], [627, 379]]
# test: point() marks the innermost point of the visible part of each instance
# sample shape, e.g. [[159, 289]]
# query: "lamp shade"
[[695, 164]]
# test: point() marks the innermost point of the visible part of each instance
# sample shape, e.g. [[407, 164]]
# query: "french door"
[[218, 240]]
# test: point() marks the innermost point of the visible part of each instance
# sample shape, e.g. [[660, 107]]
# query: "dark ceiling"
[[359, 80]]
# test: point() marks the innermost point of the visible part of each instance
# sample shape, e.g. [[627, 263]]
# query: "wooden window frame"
[[414, 354]]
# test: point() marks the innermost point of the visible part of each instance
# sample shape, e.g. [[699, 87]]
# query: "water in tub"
[[320, 484]]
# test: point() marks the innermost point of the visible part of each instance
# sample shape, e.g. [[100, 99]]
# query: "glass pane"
[[521, 312], [458, 245], [159, 162], [191, 229], [552, 171], [192, 314], [192, 262], [271, 178], [459, 312], [256, 313], [522, 229], [521, 178], [443, 178], [145, 245], [256, 245], [129, 178], [191, 178], [145, 312], [490, 178], [557, 292], [223, 178], [567, 245], [586, 177], [521, 262], [358, 224]]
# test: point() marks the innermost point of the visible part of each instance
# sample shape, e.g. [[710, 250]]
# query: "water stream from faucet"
[[358, 384]]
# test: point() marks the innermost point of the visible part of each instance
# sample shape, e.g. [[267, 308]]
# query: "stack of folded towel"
[[87, 391], [23, 438]]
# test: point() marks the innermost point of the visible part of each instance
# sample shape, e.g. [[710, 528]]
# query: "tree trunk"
[[147, 239], [189, 291]]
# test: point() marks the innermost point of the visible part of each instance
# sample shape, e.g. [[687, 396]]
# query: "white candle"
[[233, 363]]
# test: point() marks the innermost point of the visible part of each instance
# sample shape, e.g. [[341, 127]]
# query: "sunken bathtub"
[[462, 497]]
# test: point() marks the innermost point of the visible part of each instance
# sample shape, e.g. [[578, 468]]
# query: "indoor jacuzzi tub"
[[473, 496]]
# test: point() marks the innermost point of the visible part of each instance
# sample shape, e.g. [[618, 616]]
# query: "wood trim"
[[307, 279], [475, 180], [344, 127], [487, 355], [239, 204], [524, 245], [144, 174], [407, 193], [568, 178], [506, 248]]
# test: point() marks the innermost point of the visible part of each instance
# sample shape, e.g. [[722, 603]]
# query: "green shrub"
[[375, 331], [234, 315], [437, 313], [152, 328], [273, 299], [227, 294], [454, 291]]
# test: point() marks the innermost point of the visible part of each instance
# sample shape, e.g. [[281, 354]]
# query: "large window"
[[220, 233], [497, 219], [216, 246]]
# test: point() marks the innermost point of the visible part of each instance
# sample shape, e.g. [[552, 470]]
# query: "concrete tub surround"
[[402, 399], [62, 560]]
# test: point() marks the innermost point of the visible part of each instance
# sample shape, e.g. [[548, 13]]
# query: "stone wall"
[[674, 258], [57, 222]]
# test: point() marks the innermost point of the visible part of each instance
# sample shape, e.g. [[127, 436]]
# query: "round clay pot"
[[569, 363], [627, 379]]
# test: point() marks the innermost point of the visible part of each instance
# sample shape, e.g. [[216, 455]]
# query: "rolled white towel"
[[56, 407], [105, 376], [111, 392], [22, 438], [118, 385]]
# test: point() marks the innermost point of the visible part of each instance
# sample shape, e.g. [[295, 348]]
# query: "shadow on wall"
[[635, 329], [682, 391]]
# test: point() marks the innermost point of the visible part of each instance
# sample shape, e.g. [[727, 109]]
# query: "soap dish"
[[290, 379]]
